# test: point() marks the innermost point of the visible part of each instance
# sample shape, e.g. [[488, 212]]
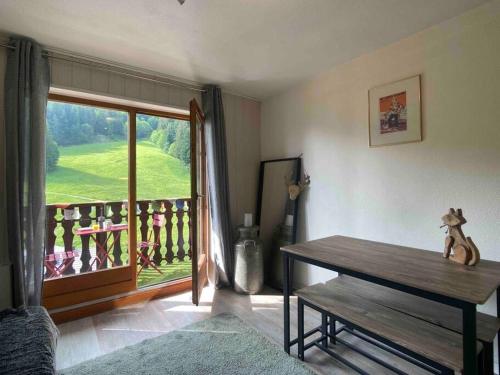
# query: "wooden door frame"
[[199, 266], [75, 289]]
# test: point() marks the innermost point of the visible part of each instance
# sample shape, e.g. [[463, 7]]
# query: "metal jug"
[[249, 261]]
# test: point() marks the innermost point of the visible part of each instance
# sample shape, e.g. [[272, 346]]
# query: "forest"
[[70, 124]]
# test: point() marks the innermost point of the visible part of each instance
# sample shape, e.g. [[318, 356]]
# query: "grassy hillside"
[[98, 171]]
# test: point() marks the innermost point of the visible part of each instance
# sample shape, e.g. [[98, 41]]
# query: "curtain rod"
[[116, 68]]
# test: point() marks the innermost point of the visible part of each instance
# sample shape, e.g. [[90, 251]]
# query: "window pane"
[[163, 195], [163, 152], [87, 182]]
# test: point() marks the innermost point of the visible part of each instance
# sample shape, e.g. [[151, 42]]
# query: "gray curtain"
[[26, 89], [218, 180]]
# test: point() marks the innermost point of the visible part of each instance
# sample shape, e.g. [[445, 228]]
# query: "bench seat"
[[425, 339], [433, 312]]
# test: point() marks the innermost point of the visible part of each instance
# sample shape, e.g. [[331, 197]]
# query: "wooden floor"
[[88, 338]]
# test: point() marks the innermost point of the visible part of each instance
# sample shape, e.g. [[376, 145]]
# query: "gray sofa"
[[27, 342]]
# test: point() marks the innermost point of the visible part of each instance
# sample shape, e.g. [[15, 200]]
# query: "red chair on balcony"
[[57, 263], [146, 249]]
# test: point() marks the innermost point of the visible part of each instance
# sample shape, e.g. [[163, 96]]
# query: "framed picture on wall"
[[395, 113]]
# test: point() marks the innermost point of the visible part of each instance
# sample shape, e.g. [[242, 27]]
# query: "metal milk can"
[[249, 261]]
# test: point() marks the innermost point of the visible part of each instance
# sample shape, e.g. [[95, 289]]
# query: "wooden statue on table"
[[458, 248]]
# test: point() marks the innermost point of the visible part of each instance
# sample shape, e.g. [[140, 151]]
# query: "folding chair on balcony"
[[58, 262], [147, 248]]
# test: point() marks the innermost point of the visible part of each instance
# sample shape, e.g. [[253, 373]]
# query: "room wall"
[[242, 121], [5, 279], [243, 149], [75, 76], [398, 193]]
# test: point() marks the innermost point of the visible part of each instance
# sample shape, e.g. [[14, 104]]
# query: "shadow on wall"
[[303, 222], [307, 275]]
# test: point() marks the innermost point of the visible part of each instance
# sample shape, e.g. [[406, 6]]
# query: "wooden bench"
[[432, 345]]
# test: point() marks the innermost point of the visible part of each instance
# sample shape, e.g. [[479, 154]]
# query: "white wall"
[[5, 279], [75, 76], [242, 121], [398, 194], [243, 150]]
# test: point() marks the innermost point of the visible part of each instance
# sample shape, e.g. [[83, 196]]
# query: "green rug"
[[223, 344]]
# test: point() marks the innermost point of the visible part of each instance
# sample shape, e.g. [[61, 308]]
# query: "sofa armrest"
[[28, 339]]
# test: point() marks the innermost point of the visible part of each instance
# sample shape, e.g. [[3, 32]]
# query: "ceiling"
[[252, 47]]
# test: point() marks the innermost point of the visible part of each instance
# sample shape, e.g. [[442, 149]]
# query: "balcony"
[[75, 245]]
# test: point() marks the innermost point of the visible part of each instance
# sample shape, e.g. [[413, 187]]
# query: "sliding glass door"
[[118, 200]]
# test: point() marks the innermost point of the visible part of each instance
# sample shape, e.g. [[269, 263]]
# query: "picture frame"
[[395, 113]]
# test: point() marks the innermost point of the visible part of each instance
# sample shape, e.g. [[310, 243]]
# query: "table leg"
[[469, 339], [488, 361], [300, 324], [324, 329], [286, 302], [101, 252], [333, 329], [97, 259], [117, 238], [101, 239]]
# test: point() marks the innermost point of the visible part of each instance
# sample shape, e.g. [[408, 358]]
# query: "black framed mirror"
[[277, 213]]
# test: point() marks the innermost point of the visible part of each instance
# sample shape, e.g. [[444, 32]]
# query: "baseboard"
[[95, 307]]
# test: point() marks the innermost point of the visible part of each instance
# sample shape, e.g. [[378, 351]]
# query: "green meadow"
[[99, 172]]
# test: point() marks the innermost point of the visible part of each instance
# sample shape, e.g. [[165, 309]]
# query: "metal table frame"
[[470, 361]]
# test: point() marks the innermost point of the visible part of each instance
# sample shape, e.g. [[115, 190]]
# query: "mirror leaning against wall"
[[280, 184]]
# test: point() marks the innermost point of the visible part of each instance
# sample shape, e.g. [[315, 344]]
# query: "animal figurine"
[[295, 189], [464, 250]]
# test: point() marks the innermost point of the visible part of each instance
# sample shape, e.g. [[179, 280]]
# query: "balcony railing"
[[70, 252]]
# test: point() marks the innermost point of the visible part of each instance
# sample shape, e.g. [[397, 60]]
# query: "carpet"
[[223, 344]]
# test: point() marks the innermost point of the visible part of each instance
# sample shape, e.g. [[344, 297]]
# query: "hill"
[[99, 172]]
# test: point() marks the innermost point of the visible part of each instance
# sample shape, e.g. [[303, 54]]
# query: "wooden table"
[[102, 252], [419, 272]]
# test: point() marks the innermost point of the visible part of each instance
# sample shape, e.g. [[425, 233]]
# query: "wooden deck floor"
[[91, 337]]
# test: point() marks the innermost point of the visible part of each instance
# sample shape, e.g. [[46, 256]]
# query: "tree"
[[116, 128], [173, 137], [151, 120], [72, 124], [84, 134], [155, 135], [162, 140], [163, 137], [51, 153], [143, 129], [181, 148], [169, 127]]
